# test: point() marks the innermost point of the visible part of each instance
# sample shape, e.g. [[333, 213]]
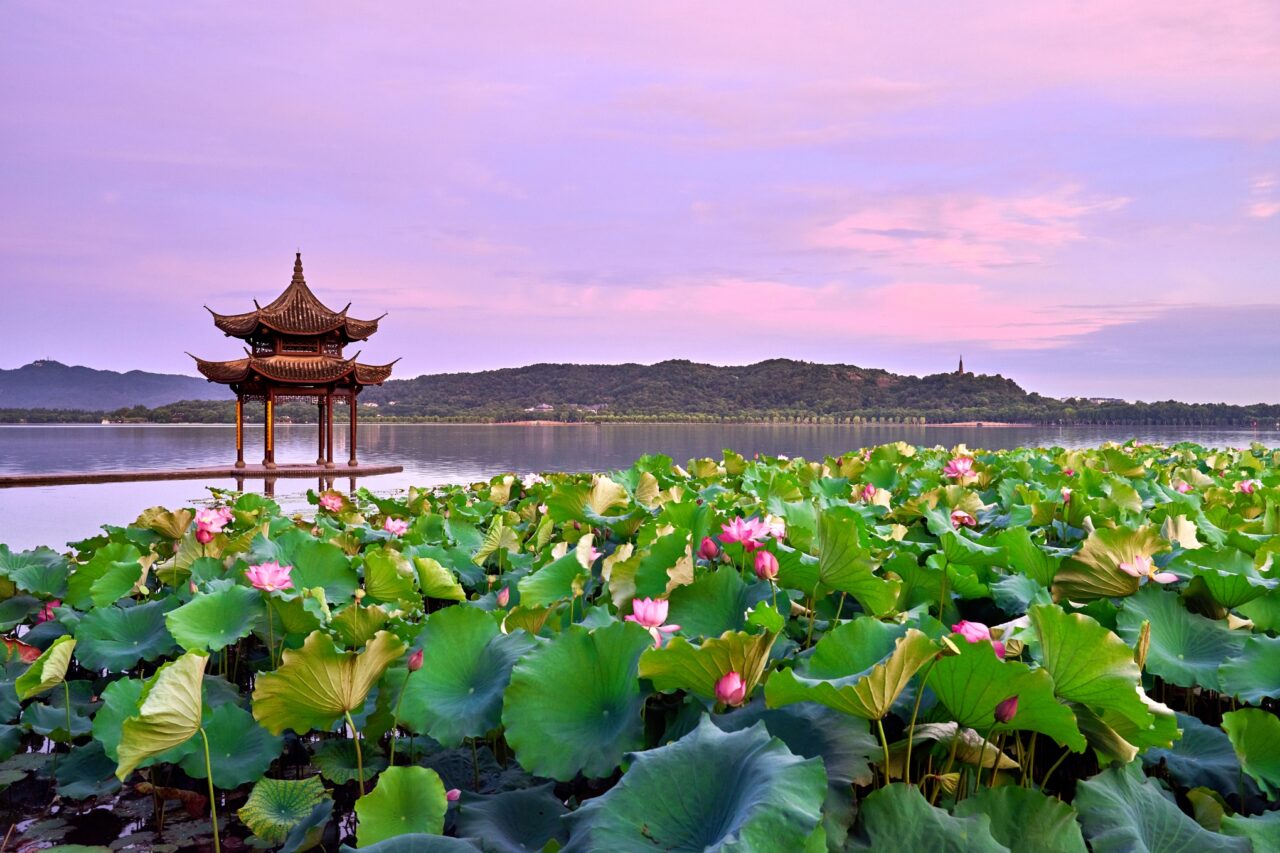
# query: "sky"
[[1081, 196]]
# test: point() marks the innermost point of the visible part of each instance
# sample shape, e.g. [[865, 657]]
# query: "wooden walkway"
[[222, 472]]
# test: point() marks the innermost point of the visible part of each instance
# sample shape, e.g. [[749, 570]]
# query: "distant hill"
[[53, 385], [676, 387]]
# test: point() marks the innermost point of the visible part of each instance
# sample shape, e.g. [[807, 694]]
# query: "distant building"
[[541, 407], [960, 369]]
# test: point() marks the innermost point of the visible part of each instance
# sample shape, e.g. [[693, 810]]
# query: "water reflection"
[[433, 454]]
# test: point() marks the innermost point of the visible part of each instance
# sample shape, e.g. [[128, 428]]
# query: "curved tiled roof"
[[310, 369], [296, 311]]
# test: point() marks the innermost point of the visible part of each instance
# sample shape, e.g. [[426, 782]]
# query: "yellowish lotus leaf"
[[169, 712]]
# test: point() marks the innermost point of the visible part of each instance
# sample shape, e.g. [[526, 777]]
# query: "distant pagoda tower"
[[960, 369], [295, 350]]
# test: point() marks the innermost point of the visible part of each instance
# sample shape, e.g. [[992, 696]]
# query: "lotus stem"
[[982, 758], [1045, 780], [271, 631], [395, 722], [884, 743], [813, 614], [911, 729], [1029, 766], [355, 737], [951, 760], [213, 798], [66, 690], [475, 766]]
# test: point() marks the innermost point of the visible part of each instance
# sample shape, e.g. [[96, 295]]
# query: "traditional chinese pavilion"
[[295, 349]]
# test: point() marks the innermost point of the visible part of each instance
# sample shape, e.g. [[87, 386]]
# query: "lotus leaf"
[[169, 712], [276, 806], [898, 817], [217, 617], [48, 670], [406, 800], [1255, 734], [1186, 649], [681, 666]]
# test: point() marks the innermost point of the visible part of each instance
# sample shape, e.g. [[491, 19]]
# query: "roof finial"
[[297, 270]]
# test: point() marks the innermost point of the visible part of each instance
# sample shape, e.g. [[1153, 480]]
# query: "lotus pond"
[[896, 649]]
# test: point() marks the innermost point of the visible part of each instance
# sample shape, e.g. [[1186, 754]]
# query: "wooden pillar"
[[351, 401], [328, 432], [239, 431], [320, 430], [269, 432]]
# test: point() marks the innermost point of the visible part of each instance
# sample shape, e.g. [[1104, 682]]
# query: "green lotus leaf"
[[499, 537], [322, 564], [1202, 757], [1254, 674], [557, 581], [898, 817], [660, 565], [844, 564], [1229, 574], [319, 683], [971, 684], [417, 843], [308, 833], [1025, 820], [169, 712], [11, 740], [116, 638], [714, 603], [438, 582], [737, 791], [1263, 830], [859, 668], [50, 720], [87, 772], [276, 806], [240, 750], [171, 524], [681, 666], [111, 573], [1094, 570], [466, 666], [514, 821], [17, 609], [559, 739], [1089, 664], [216, 618], [1186, 649], [48, 670], [406, 800], [42, 572], [846, 745], [1121, 811], [337, 761], [390, 578], [1255, 734], [357, 623], [1027, 558]]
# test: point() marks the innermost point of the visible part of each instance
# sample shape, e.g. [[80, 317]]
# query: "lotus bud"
[[766, 565], [1144, 643], [204, 537], [1006, 710], [504, 596], [415, 661], [452, 795], [577, 525], [708, 550], [191, 585], [731, 689], [360, 593]]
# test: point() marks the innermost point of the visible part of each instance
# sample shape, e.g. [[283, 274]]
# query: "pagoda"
[[294, 349]]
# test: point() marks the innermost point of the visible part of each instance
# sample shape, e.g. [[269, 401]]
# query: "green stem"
[[911, 729], [355, 737], [66, 690], [1045, 780], [395, 723], [213, 799], [475, 766], [942, 596], [271, 631], [951, 760], [884, 743], [774, 587], [1029, 766], [982, 758], [813, 614]]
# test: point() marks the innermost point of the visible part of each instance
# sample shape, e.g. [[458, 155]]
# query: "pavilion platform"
[[220, 472]]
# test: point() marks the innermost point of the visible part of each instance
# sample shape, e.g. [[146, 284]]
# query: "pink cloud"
[[968, 233]]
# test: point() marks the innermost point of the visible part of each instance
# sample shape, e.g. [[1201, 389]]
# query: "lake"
[[438, 453]]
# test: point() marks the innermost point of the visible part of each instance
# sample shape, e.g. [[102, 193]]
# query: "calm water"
[[433, 454]]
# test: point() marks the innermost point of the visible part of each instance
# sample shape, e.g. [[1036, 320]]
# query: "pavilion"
[[295, 349]]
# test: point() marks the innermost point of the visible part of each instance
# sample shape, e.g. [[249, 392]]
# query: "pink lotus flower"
[[1069, 472], [1066, 496], [271, 576], [1182, 487], [204, 537], [960, 467], [960, 518], [731, 689], [1006, 710], [415, 661], [766, 565], [976, 632], [46, 613], [709, 550], [1247, 487], [504, 596], [869, 492], [331, 501], [213, 520], [1143, 567], [453, 795], [777, 528], [650, 613], [751, 532], [395, 526]]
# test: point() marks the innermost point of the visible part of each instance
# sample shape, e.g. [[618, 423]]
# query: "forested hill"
[[671, 388], [50, 384]]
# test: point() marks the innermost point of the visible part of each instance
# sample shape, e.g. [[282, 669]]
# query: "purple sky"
[[1082, 196]]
